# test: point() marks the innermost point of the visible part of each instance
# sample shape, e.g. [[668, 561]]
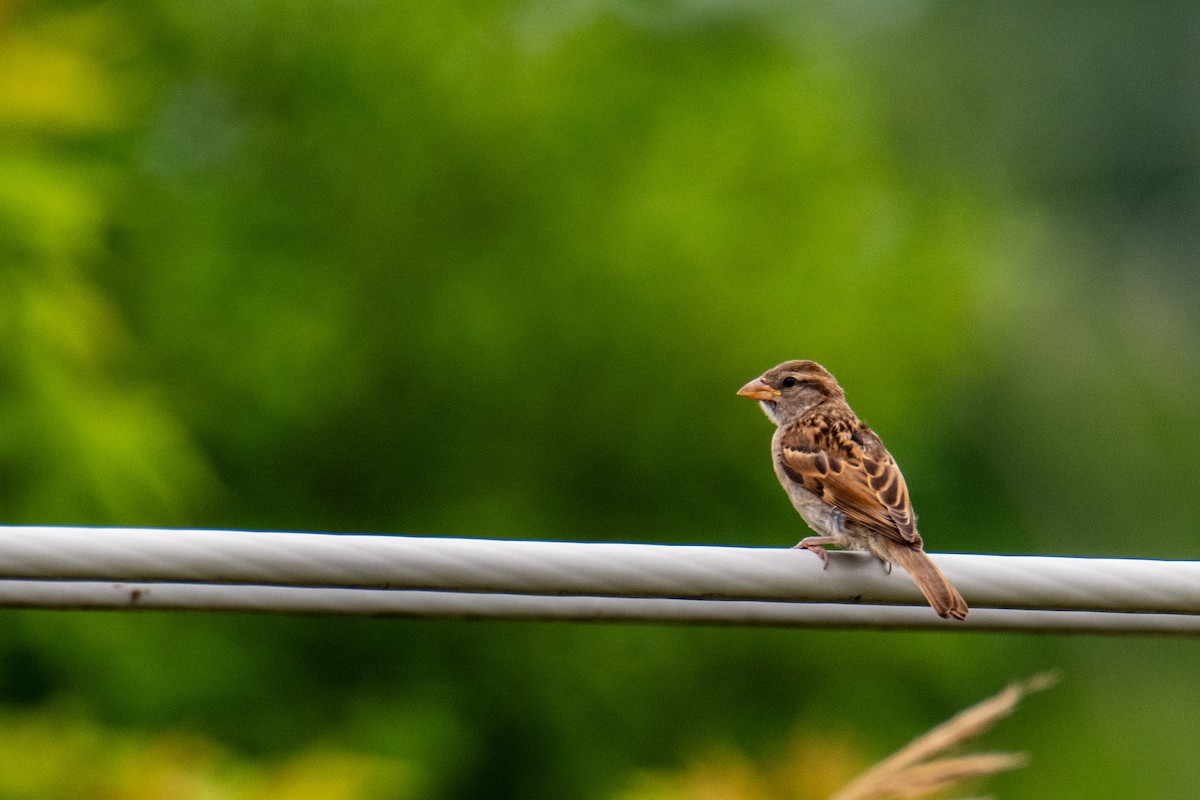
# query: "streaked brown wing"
[[851, 470]]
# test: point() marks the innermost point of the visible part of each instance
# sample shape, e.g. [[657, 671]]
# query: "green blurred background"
[[497, 269]]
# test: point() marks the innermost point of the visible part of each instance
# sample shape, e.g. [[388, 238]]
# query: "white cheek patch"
[[771, 410]]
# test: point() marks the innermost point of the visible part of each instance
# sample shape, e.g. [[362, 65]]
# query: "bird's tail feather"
[[938, 591]]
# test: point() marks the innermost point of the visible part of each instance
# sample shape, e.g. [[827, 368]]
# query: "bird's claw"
[[815, 549]]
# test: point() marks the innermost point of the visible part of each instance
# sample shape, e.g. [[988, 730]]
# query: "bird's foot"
[[814, 544]]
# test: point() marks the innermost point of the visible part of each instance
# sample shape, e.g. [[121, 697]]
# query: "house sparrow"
[[841, 478]]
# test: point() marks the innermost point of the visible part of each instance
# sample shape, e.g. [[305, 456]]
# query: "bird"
[[842, 480]]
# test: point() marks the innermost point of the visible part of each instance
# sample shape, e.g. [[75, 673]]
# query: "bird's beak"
[[757, 389]]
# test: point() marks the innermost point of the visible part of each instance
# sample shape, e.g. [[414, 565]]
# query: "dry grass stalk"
[[909, 773]]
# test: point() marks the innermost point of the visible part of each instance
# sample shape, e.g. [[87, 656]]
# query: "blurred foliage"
[[816, 767], [809, 768], [497, 269], [83, 436], [56, 754]]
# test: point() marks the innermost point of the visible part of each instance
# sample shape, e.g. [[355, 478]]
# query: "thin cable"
[[588, 569], [475, 606]]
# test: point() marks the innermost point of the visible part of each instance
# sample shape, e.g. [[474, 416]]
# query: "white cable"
[[465, 605], [589, 569]]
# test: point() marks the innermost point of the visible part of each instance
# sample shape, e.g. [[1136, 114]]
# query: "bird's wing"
[[844, 463]]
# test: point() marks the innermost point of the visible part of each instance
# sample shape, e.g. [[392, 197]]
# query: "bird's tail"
[[940, 593]]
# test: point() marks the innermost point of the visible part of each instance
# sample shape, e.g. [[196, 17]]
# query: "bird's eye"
[[788, 382]]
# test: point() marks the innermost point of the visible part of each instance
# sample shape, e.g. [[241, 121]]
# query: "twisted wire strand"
[[142, 555]]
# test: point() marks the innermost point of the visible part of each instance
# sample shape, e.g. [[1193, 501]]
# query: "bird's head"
[[792, 388]]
